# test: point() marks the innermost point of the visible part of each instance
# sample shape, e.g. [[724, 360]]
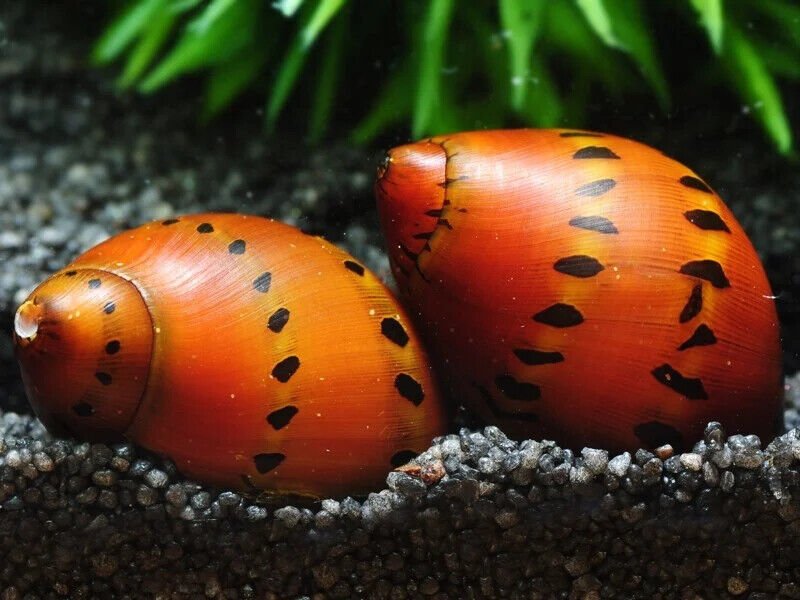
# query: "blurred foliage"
[[442, 65]]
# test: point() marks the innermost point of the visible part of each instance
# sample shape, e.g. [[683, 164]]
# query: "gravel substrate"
[[482, 516]]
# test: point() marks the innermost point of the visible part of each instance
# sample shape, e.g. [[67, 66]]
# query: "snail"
[[581, 287], [252, 355]]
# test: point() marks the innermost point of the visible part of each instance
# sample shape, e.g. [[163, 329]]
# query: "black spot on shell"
[[411, 255], [559, 315], [354, 267], [109, 307], [94, 283], [284, 370], [402, 457], [500, 413], [169, 222], [596, 188], [529, 356], [262, 282], [579, 265], [409, 388], [445, 222], [278, 319], [434, 212], [83, 409], [71, 273], [425, 235], [393, 330], [655, 433], [517, 390], [706, 219], [710, 270], [205, 228], [571, 134], [595, 152], [695, 184], [267, 462], [237, 247], [594, 223], [702, 336], [112, 347], [689, 387], [451, 180], [693, 305], [280, 418], [103, 377]]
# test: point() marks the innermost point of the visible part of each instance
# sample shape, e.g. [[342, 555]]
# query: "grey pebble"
[[176, 495], [746, 451], [156, 478], [288, 515], [723, 457], [200, 500], [104, 478], [146, 496], [727, 481], [692, 461], [596, 460], [405, 484], [229, 499], [619, 464]]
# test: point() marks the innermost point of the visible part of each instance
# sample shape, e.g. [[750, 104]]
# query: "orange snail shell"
[[252, 355], [582, 287]]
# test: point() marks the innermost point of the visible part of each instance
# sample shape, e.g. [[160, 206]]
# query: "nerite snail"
[[582, 287], [252, 355]]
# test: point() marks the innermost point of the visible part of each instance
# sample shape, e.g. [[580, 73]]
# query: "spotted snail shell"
[[581, 287], [252, 355]]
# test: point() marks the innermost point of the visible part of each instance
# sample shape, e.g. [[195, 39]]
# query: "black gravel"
[[480, 516]]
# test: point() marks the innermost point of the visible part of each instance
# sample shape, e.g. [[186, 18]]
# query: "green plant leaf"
[[786, 15], [327, 84], [521, 20], [748, 73], [570, 42], [230, 79], [214, 11], [145, 50], [179, 6], [295, 58], [467, 102], [287, 7], [543, 107], [392, 106], [326, 10], [633, 32], [430, 49], [124, 29], [712, 20], [600, 20], [224, 38], [779, 59]]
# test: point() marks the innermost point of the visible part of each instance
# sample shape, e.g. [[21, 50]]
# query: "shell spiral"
[[582, 287], [252, 355]]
